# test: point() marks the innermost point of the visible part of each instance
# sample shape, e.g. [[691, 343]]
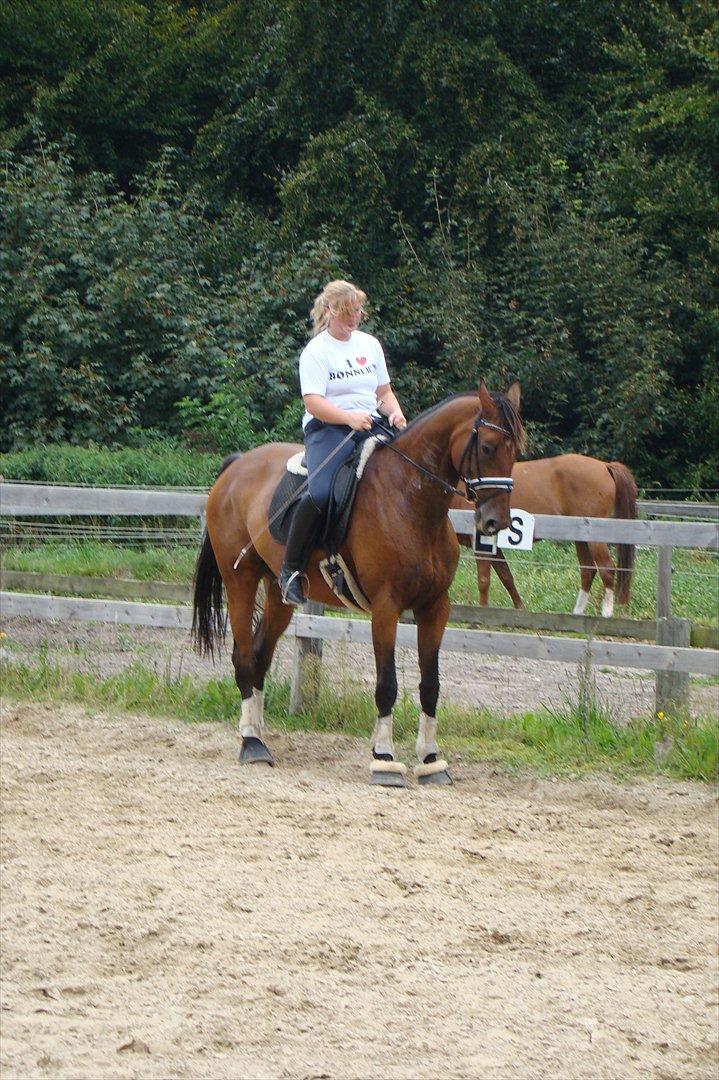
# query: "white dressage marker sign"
[[519, 535]]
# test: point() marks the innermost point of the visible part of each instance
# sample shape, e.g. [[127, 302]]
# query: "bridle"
[[473, 484], [477, 484]]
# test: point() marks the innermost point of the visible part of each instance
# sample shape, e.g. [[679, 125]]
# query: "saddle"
[[334, 528]]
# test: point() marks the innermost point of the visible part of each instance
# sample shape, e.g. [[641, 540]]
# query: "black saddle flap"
[[285, 495], [342, 496]]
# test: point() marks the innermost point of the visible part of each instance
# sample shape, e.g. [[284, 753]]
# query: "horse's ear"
[[484, 396], [513, 394]]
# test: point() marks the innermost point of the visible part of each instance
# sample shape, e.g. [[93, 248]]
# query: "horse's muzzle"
[[493, 514]]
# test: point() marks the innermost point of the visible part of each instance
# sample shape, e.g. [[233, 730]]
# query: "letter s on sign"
[[514, 532], [520, 534]]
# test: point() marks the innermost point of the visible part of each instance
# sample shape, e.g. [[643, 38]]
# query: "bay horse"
[[572, 485], [400, 547]]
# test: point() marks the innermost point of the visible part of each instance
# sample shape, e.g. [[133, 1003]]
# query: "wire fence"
[[678, 491], [22, 532], [528, 559], [202, 488], [18, 531]]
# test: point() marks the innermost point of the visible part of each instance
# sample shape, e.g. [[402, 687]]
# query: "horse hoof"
[[254, 752], [435, 778], [388, 773], [432, 772]]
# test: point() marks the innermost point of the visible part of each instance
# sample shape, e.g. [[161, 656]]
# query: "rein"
[[472, 484]]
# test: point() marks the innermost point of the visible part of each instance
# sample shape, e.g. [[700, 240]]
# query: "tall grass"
[[96, 558], [582, 736]]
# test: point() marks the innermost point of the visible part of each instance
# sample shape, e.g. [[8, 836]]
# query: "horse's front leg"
[[241, 590], [385, 768], [431, 621]]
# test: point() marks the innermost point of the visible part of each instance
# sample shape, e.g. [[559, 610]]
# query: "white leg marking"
[[608, 603], [581, 605], [426, 736], [382, 735], [259, 696], [249, 725]]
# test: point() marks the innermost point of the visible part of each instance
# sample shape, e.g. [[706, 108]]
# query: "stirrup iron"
[[295, 579]]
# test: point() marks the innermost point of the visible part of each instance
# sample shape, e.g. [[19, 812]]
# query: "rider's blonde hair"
[[336, 298]]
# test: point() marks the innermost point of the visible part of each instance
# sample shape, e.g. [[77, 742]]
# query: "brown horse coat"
[[571, 485], [400, 545]]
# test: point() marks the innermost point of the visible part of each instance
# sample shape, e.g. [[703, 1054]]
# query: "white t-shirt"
[[347, 373]]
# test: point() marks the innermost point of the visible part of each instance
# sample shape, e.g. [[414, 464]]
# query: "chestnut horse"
[[572, 485], [400, 547]]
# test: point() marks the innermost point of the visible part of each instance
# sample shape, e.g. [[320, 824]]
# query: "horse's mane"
[[512, 419], [510, 416]]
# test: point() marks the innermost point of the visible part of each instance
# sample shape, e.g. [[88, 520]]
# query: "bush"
[[164, 465]]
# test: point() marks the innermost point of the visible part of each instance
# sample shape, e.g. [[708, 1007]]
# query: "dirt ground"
[[505, 685], [166, 913]]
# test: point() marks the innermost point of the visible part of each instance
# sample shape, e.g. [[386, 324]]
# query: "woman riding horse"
[[343, 378], [399, 546]]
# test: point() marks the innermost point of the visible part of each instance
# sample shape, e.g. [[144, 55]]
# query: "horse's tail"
[[208, 618], [625, 506]]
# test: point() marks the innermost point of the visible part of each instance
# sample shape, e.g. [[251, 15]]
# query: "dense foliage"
[[161, 463], [523, 188]]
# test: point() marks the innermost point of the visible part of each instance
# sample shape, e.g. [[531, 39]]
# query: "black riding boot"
[[303, 534]]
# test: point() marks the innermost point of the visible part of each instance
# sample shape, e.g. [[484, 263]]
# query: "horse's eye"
[[487, 449]]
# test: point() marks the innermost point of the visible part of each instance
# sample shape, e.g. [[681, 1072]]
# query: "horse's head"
[[484, 448]]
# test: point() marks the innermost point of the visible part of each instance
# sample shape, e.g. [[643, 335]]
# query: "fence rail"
[[672, 658], [31, 500], [470, 614], [658, 658], [701, 511], [690, 534]]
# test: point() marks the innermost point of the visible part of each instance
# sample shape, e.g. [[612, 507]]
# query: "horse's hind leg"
[[483, 575], [275, 619], [241, 591], [501, 568], [587, 570], [599, 554], [430, 628]]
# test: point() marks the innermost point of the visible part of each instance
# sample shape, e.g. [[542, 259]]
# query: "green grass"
[[548, 580], [582, 736], [547, 577], [95, 558]]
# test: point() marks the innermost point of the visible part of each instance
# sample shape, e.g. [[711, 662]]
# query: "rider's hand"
[[397, 420], [360, 421]]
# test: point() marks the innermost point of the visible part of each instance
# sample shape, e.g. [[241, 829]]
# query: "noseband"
[[477, 484]]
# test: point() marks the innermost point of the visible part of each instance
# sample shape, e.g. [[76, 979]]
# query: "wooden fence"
[[671, 657], [28, 500]]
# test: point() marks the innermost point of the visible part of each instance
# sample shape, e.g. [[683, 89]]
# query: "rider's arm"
[[389, 406], [322, 409]]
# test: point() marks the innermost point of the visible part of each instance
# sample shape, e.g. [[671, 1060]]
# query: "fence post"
[[307, 665], [672, 687], [664, 582]]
